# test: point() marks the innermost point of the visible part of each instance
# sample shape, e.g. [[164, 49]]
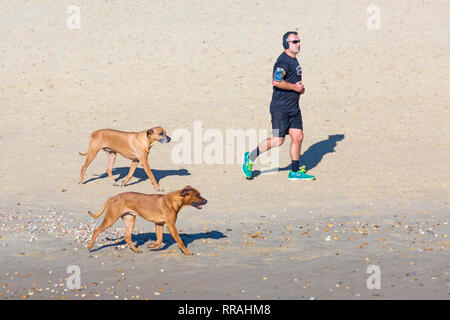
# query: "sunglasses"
[[295, 41]]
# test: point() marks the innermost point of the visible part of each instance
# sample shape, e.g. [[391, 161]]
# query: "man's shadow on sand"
[[140, 174], [142, 238], [311, 157]]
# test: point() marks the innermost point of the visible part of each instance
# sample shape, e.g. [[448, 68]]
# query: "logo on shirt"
[[299, 70]]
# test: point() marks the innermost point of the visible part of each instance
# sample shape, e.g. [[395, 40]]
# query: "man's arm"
[[287, 85]]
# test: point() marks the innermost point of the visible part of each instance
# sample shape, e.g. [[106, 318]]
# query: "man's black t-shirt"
[[286, 101]]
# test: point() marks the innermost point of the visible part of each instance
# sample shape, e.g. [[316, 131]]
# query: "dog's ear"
[[185, 191], [149, 132]]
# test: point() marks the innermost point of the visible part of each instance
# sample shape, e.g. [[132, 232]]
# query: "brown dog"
[[132, 145], [158, 208]]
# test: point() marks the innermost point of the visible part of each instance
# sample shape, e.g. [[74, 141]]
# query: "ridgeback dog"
[[158, 208], [132, 145]]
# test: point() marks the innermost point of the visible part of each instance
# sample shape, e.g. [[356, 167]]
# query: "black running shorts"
[[282, 122]]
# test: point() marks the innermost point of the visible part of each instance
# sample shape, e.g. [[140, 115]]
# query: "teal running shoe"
[[247, 166], [299, 175], [303, 169]]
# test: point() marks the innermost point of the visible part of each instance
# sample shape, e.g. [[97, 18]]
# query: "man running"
[[284, 109]]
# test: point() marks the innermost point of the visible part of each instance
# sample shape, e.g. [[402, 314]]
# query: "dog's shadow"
[[140, 174], [142, 238], [311, 157]]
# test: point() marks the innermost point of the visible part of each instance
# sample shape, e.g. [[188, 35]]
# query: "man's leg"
[[296, 145], [250, 157], [267, 144], [280, 125], [296, 134], [295, 173]]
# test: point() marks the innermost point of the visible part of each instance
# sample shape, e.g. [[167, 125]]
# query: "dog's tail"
[[101, 211], [90, 139]]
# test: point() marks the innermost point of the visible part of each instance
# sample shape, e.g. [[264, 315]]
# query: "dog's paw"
[[188, 253], [155, 245]]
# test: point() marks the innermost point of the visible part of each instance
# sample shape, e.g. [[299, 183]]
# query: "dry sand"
[[375, 112]]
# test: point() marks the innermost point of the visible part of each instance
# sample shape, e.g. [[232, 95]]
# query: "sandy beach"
[[375, 115]]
